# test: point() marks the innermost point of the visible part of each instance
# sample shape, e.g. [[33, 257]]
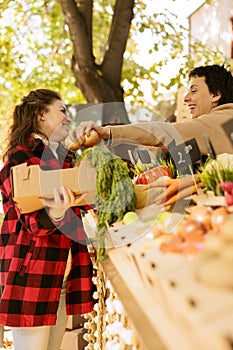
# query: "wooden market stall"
[[166, 306]]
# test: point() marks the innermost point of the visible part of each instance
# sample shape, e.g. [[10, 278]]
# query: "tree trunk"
[[99, 83]]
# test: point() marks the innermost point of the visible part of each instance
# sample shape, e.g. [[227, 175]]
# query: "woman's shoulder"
[[19, 155], [15, 157], [22, 154]]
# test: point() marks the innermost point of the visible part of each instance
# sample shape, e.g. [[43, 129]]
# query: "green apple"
[[130, 217], [169, 221], [164, 216]]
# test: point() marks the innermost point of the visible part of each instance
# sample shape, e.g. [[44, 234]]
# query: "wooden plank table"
[[154, 312]]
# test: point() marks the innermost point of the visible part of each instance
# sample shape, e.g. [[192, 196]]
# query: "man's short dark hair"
[[218, 79]]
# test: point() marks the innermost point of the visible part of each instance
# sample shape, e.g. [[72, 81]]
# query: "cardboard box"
[[30, 183]]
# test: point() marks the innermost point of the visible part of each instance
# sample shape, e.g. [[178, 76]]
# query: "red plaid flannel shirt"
[[34, 252]]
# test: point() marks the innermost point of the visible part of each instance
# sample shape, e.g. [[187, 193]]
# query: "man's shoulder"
[[224, 111], [223, 107]]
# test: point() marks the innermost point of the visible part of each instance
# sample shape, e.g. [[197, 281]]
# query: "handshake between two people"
[[87, 134]]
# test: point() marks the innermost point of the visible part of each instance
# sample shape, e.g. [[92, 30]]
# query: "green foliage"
[[115, 191], [198, 55], [168, 38], [36, 51], [169, 163], [214, 172]]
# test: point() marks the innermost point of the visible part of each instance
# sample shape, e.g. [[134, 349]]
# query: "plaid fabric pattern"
[[34, 252]]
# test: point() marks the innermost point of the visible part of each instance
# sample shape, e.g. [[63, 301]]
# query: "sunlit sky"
[[182, 9]]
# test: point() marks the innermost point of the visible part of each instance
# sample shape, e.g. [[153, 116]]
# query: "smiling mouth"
[[191, 108]]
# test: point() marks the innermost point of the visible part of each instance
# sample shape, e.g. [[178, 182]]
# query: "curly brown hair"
[[25, 117]]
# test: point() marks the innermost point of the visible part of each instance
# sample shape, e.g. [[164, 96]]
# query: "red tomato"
[[153, 174]]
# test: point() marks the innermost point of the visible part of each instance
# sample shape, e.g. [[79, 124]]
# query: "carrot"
[[185, 192], [176, 186], [169, 247], [161, 182], [193, 238]]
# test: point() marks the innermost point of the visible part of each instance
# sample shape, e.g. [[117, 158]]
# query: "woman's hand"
[[61, 201]]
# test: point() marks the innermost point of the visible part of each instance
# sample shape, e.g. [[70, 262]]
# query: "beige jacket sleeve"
[[162, 133]]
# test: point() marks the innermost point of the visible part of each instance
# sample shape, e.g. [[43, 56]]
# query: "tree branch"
[[78, 16], [113, 59]]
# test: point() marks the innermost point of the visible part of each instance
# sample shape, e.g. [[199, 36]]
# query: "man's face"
[[198, 97]]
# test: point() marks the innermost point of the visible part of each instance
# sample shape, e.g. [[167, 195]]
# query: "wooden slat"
[[158, 314], [148, 337]]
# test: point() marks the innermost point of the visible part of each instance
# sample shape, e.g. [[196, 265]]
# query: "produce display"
[[120, 198], [190, 235], [214, 265], [200, 237]]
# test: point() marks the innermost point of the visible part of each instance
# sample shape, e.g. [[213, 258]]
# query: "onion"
[[218, 217], [202, 214], [226, 228], [189, 226], [92, 139]]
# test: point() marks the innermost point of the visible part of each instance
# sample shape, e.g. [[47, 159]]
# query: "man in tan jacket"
[[210, 101]]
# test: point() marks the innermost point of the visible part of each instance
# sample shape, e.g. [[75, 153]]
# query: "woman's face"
[[54, 122], [198, 97]]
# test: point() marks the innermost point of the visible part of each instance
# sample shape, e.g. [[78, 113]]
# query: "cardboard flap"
[[21, 171], [24, 178]]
